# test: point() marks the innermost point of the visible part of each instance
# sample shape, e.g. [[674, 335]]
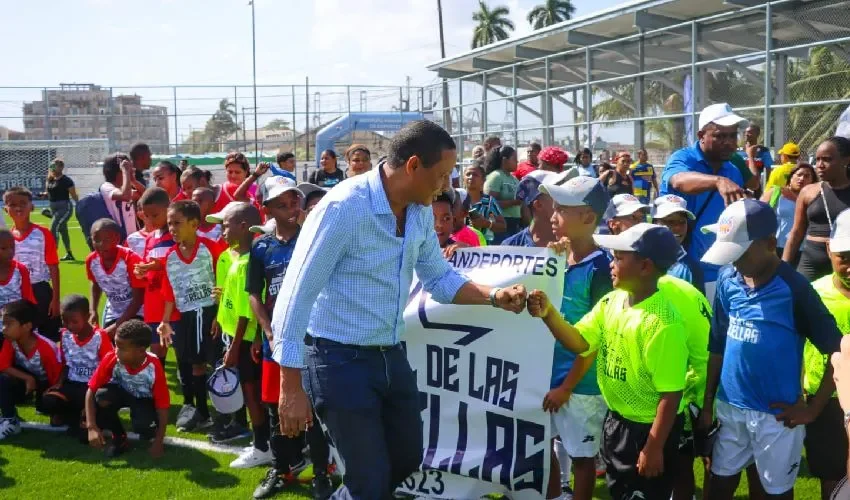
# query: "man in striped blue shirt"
[[346, 288]]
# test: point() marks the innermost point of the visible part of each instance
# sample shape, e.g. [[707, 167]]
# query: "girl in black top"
[[618, 180], [818, 205], [60, 191], [329, 175]]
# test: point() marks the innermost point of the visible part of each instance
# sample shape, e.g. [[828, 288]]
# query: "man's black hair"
[[75, 303], [155, 196], [21, 311], [445, 198], [421, 138], [535, 146], [112, 166], [106, 224], [136, 332], [282, 157], [138, 149], [187, 208], [315, 194]]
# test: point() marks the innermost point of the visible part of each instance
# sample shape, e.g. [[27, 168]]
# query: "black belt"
[[320, 342]]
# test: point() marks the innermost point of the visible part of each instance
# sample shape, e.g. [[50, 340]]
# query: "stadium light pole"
[[254, 58]]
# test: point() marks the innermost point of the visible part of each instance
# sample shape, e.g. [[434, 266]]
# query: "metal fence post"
[[514, 86], [694, 97], [48, 129], [640, 125], [294, 130], [768, 85], [483, 107], [459, 114], [236, 109], [547, 98], [588, 97], [110, 122], [174, 92]]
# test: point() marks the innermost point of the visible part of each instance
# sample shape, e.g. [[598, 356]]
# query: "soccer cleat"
[[204, 423], [186, 418], [68, 258], [272, 484], [117, 446], [323, 488], [9, 427], [252, 458]]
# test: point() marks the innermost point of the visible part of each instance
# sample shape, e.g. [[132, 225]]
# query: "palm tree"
[[493, 25], [551, 12]]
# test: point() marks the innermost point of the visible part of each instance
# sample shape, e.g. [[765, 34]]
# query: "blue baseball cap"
[[579, 191], [650, 241], [529, 186], [739, 225]]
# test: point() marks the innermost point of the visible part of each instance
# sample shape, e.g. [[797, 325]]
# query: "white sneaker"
[[9, 427], [252, 458]]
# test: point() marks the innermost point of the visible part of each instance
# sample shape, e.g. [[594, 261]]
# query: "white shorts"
[[748, 436], [579, 423]]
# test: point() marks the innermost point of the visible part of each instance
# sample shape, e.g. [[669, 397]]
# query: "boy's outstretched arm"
[[158, 445], [565, 333]]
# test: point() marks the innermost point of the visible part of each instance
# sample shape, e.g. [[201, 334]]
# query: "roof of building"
[[728, 28]]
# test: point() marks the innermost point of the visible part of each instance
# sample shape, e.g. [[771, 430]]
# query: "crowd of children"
[[195, 277], [647, 373]]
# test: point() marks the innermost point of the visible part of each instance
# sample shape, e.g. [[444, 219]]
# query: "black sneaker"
[[117, 445], [322, 487], [68, 258], [227, 432], [271, 485]]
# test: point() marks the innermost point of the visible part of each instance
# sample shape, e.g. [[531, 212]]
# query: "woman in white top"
[[121, 190], [784, 200]]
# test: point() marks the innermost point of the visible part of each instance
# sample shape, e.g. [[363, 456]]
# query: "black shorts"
[[249, 371], [193, 342], [46, 325], [826, 443], [622, 442]]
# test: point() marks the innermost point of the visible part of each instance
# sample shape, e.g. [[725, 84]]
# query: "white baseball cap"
[[720, 114], [218, 218], [670, 204], [276, 185], [266, 228], [739, 225], [839, 240], [225, 390], [626, 204]]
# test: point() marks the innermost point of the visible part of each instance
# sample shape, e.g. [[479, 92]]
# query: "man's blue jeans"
[[368, 399]]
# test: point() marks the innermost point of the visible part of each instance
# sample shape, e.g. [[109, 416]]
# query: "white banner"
[[482, 375]]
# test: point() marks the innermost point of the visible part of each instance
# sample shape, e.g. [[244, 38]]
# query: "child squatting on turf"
[[82, 348], [128, 377], [642, 361], [28, 364]]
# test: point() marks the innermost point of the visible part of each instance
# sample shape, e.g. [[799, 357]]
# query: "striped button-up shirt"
[[350, 275]]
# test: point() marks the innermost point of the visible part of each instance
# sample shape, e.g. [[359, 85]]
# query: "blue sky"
[[195, 42]]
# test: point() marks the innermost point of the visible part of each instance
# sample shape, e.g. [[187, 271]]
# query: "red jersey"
[[189, 281], [146, 381], [524, 169], [36, 249], [42, 362], [181, 196], [157, 244], [17, 285], [117, 282], [83, 357]]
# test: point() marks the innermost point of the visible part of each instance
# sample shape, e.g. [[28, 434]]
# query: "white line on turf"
[[173, 441]]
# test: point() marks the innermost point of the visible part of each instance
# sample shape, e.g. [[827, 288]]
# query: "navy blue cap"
[[651, 241]]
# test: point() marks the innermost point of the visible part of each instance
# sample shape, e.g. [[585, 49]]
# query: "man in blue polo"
[[346, 287], [703, 175]]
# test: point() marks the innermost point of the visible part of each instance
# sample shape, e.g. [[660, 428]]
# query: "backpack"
[[92, 207]]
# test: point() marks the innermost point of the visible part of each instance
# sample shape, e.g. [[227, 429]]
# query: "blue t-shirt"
[[642, 175], [520, 239], [689, 270], [283, 173], [584, 284], [707, 206], [760, 332], [267, 265]]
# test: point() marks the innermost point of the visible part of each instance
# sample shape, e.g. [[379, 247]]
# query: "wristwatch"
[[494, 291]]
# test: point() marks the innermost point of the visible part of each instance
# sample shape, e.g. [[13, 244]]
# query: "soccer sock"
[[200, 386], [261, 436], [319, 450], [184, 370], [241, 417]]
